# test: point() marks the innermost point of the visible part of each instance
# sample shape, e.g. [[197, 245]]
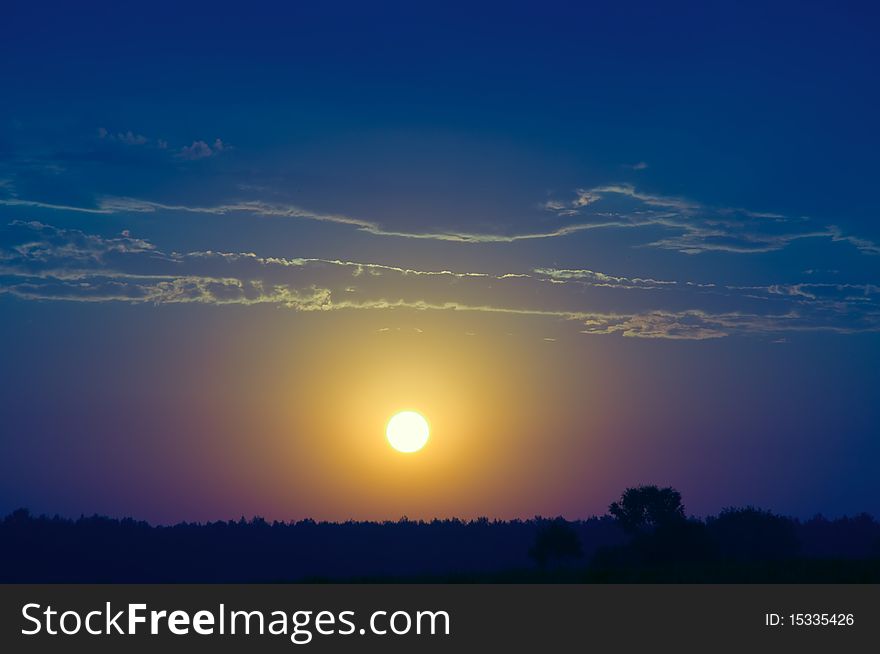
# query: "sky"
[[595, 244]]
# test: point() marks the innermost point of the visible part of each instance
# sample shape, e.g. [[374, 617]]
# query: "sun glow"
[[407, 431]]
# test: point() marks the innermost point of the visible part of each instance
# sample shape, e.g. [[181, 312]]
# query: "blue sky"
[[684, 192]]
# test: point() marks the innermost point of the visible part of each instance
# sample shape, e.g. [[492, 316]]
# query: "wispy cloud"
[[18, 202], [583, 198], [48, 244], [126, 138], [264, 209], [696, 228], [201, 150], [595, 278], [692, 228], [198, 149], [48, 263]]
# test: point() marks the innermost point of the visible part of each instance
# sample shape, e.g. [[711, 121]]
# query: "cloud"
[[601, 279], [559, 208], [18, 202], [130, 138], [126, 138], [175, 291], [45, 243], [695, 228], [639, 165], [689, 227], [198, 150], [584, 198], [649, 199], [40, 262], [861, 244], [682, 325], [821, 295], [259, 208], [201, 150]]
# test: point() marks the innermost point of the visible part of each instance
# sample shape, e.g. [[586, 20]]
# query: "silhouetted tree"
[[753, 534], [555, 541], [676, 541], [647, 508], [18, 517], [849, 537]]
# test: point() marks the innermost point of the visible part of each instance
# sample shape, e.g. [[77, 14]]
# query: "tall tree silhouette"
[[555, 541], [645, 508]]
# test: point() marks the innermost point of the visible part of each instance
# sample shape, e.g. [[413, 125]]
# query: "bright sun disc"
[[407, 431]]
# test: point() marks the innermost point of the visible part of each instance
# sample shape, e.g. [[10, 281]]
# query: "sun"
[[407, 431]]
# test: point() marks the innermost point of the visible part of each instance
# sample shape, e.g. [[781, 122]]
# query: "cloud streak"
[[696, 228], [693, 228], [46, 263]]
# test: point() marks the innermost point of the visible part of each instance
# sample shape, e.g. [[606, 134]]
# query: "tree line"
[[645, 536]]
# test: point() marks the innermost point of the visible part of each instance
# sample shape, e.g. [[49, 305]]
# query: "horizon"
[[420, 520], [588, 246]]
